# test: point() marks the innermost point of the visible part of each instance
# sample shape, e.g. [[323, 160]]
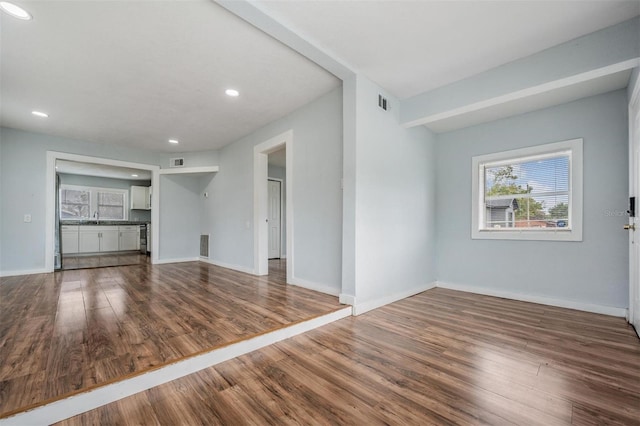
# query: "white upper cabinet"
[[141, 198]]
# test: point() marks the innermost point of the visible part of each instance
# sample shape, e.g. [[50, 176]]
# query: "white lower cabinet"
[[102, 239], [69, 239], [129, 238], [110, 239], [90, 239]]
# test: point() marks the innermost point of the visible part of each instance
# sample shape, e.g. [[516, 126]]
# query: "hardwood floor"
[[64, 333], [100, 261], [441, 357]]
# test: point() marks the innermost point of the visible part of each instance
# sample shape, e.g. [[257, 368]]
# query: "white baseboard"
[[176, 260], [362, 307], [347, 299], [229, 266], [24, 272], [322, 288], [78, 404], [542, 300]]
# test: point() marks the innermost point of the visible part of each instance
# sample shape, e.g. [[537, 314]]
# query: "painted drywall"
[[593, 271], [609, 46], [281, 173], [634, 81], [394, 170], [192, 159], [317, 198], [23, 160], [102, 182], [179, 217]]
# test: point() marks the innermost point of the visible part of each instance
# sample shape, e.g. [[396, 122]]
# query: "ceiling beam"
[[592, 56], [257, 16]]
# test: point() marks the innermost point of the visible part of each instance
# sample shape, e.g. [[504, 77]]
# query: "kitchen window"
[[75, 203], [111, 205], [532, 193], [89, 203]]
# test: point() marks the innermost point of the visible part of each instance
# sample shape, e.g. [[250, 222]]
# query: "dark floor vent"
[[204, 245]]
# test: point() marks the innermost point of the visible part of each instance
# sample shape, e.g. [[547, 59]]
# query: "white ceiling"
[[138, 73], [101, 170], [409, 47]]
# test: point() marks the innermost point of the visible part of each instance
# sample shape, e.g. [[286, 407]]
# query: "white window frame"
[[93, 201], [574, 233]]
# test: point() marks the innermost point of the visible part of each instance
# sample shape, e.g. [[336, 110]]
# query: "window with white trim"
[[532, 193], [75, 203], [89, 203]]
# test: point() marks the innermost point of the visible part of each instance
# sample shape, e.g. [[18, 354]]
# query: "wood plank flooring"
[[441, 357], [71, 331], [100, 261]]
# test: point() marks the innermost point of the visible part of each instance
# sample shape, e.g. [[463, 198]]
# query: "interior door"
[[274, 219], [634, 223]]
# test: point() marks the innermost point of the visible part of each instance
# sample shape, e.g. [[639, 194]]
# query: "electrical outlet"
[[27, 218]]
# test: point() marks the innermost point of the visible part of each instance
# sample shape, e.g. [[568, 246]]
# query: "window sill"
[[527, 235]]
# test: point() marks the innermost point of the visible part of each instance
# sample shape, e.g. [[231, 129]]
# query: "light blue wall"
[[192, 159], [634, 80], [180, 216], [394, 171], [101, 182], [281, 173], [317, 169], [593, 271], [23, 181]]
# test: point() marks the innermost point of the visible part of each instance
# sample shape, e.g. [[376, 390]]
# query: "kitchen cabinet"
[[69, 239], [110, 239], [141, 197], [129, 237], [95, 239]]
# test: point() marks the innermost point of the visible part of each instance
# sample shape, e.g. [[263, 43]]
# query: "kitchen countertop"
[[101, 223]]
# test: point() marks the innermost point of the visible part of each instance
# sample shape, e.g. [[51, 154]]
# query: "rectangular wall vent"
[[382, 102], [204, 245], [176, 162]]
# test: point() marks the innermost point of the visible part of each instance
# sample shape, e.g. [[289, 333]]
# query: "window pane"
[[75, 196], [74, 211], [528, 193], [110, 199], [528, 177], [74, 204], [111, 212]]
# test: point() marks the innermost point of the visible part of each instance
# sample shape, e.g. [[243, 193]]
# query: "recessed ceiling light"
[[173, 141], [14, 10], [40, 114], [232, 92], [134, 175]]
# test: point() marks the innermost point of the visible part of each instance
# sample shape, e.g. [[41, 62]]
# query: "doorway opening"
[[88, 202], [273, 206], [102, 215]]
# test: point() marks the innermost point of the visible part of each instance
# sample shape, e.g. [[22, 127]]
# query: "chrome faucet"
[[96, 216]]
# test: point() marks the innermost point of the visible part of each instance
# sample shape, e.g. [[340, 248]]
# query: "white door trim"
[[260, 202], [50, 197]]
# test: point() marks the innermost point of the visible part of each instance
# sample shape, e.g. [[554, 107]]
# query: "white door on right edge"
[[274, 219], [634, 223]]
